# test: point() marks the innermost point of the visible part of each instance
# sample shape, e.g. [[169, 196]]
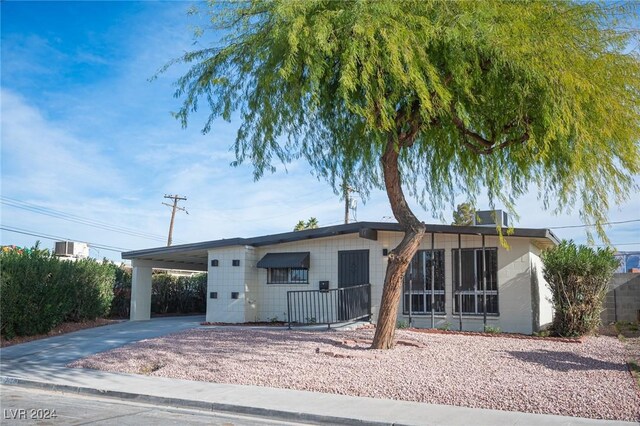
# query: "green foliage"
[[463, 215], [578, 277], [171, 294], [90, 288], [39, 291], [121, 303], [312, 223], [491, 329], [493, 95], [445, 327], [542, 333], [400, 324]]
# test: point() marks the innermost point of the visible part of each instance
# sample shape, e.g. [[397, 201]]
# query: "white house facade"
[[330, 274]]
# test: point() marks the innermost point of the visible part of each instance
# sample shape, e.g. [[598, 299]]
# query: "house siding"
[[226, 279], [260, 301], [543, 315]]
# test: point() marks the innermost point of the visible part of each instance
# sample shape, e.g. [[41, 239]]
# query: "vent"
[[491, 218], [64, 248]]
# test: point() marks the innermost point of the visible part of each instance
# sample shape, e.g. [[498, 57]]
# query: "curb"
[[185, 403]]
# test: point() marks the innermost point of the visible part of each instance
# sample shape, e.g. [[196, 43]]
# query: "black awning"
[[285, 260]]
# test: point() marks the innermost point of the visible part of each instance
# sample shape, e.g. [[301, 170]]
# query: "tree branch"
[[485, 146]]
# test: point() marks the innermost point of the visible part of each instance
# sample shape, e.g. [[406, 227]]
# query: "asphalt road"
[[23, 406]]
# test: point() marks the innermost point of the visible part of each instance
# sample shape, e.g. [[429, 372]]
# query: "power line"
[[34, 208], [57, 238], [587, 225]]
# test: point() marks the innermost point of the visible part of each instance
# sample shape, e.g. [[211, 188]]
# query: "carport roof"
[[196, 254]]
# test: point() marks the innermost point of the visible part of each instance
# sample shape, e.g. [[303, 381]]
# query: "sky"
[[89, 146]]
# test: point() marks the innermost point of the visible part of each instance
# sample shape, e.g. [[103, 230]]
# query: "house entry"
[[353, 270]]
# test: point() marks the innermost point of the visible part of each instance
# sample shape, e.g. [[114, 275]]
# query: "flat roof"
[[196, 253]]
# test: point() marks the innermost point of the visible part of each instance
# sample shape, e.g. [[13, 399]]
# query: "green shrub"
[[121, 302], [90, 286], [171, 294], [400, 324], [578, 277], [163, 293], [33, 301], [39, 291]]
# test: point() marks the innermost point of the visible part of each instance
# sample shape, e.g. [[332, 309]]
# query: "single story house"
[[334, 273]]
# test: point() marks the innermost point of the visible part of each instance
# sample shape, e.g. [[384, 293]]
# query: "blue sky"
[[85, 133]]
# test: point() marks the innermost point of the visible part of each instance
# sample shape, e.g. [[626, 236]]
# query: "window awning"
[[285, 260]]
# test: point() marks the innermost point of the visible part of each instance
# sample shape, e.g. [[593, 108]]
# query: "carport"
[[187, 257]]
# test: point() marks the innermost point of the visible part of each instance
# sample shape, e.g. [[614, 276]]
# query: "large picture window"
[[287, 276], [469, 290], [417, 283]]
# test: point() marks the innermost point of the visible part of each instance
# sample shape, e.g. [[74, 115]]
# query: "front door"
[[353, 270]]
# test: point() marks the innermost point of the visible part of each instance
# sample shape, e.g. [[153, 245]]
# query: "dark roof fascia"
[[336, 230], [205, 245]]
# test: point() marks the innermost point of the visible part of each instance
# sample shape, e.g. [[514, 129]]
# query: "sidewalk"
[[41, 364]]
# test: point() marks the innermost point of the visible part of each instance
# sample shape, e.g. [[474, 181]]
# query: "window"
[[287, 276], [417, 284], [470, 291]]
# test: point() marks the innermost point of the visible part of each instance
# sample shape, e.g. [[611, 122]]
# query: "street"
[[24, 406]]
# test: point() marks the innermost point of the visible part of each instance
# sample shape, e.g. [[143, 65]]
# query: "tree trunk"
[[399, 257]]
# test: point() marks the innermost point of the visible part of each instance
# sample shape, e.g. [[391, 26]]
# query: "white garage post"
[[140, 293]]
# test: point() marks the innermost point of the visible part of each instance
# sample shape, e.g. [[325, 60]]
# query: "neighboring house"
[[249, 278], [629, 261]]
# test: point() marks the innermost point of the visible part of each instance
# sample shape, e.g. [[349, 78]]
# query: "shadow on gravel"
[[565, 361]]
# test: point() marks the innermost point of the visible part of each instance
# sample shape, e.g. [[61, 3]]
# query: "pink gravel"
[[589, 379]]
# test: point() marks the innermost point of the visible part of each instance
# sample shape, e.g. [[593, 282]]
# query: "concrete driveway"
[[60, 350]]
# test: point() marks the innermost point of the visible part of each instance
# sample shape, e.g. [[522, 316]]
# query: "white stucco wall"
[[545, 305], [260, 301]]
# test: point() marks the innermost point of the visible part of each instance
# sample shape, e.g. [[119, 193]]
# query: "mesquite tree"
[[429, 97]]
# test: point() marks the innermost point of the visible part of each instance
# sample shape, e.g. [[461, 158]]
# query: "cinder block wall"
[[623, 299]]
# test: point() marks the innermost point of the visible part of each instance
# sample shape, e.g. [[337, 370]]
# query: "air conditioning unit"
[[64, 248], [491, 218], [71, 249]]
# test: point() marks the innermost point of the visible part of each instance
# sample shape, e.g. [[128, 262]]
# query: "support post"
[[433, 277], [460, 280], [484, 285], [140, 293]]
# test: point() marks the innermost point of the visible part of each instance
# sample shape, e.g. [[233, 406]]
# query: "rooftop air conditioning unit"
[[491, 218], [64, 248], [71, 249]]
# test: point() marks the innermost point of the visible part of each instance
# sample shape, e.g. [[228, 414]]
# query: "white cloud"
[[44, 160]]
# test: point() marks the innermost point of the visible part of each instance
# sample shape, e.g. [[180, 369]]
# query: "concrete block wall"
[[251, 287], [323, 267], [623, 299], [514, 284], [226, 279], [260, 301]]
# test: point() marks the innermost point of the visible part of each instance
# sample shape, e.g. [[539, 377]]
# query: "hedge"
[[40, 291], [169, 294]]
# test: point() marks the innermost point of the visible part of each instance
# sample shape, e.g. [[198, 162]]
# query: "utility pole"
[[174, 207], [347, 202]]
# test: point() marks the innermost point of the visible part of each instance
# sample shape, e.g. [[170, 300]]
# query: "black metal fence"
[[307, 307]]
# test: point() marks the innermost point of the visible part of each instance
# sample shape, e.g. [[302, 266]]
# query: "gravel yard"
[[587, 379]]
